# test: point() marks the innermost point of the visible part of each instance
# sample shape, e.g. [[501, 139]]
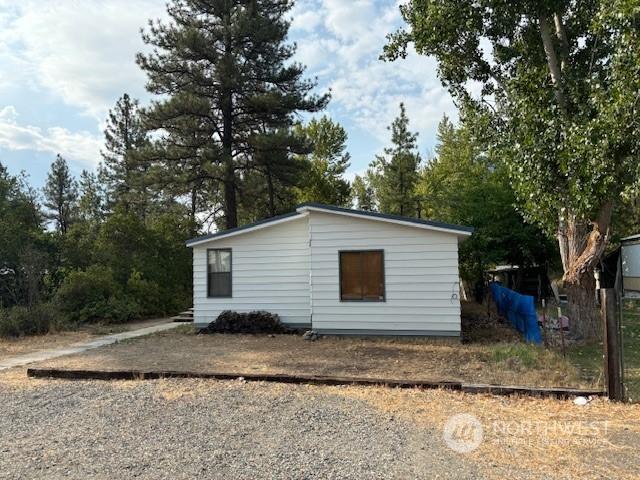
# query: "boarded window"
[[362, 276], [219, 276]]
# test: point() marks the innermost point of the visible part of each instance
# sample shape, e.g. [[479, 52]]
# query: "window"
[[219, 273], [362, 276]]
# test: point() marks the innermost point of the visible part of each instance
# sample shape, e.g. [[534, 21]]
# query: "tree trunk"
[[583, 315], [581, 250], [272, 194], [193, 227], [229, 183]]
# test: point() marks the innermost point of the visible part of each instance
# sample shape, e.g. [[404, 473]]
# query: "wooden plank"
[[69, 374], [558, 392]]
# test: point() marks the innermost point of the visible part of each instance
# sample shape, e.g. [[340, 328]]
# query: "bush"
[[252, 322], [20, 321], [146, 294], [93, 295]]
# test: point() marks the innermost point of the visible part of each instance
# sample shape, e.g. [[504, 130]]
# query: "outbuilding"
[[334, 270]]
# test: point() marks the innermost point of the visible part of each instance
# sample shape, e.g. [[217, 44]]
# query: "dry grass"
[[415, 359], [10, 347], [547, 437], [20, 346]]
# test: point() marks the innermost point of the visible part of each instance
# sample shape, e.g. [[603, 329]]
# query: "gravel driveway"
[[175, 429]]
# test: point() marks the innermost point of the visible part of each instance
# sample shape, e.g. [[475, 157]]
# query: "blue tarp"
[[519, 309]]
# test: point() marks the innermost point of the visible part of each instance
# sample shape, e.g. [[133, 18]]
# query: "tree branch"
[[552, 61], [564, 42]]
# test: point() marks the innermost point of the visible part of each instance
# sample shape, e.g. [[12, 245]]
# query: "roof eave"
[[461, 232], [244, 229]]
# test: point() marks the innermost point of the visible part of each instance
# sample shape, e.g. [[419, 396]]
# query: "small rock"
[[310, 336], [582, 401]]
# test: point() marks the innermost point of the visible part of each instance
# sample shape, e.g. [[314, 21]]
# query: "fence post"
[[611, 343]]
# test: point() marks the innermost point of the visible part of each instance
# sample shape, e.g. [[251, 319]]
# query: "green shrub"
[[114, 310], [146, 294], [21, 321], [93, 295], [252, 322]]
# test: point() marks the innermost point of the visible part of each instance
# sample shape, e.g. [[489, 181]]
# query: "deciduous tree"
[[363, 196], [324, 180], [560, 84]]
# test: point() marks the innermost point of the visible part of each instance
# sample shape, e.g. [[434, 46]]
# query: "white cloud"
[[82, 52], [306, 17], [82, 147], [345, 55]]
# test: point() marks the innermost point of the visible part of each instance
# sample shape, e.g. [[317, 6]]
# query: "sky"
[[64, 63]]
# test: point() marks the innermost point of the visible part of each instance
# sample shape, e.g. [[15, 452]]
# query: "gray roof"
[[243, 227], [388, 216], [333, 208]]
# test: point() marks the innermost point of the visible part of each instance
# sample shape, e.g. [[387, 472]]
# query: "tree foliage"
[[394, 175], [560, 81], [460, 185], [363, 194], [225, 73], [328, 161], [60, 195], [21, 223], [123, 169]]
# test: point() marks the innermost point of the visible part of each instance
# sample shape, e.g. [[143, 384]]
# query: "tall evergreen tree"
[[224, 70], [91, 203], [363, 195], [60, 195], [395, 174], [125, 137], [279, 170], [20, 226], [324, 181]]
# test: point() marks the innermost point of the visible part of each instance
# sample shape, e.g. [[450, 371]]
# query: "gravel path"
[[181, 429]]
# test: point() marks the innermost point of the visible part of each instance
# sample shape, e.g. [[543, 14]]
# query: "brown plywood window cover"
[[362, 276], [219, 273]]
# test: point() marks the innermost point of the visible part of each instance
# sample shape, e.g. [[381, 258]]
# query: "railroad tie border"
[[82, 374]]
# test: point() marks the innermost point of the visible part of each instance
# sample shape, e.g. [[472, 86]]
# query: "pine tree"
[[91, 203], [324, 181], [61, 195], [363, 194], [224, 70], [280, 169], [395, 174], [123, 171]]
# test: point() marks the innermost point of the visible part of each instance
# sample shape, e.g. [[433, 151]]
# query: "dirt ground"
[[93, 428], [412, 359], [10, 347], [540, 438]]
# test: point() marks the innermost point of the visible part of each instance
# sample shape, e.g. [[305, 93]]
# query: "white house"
[[335, 270]]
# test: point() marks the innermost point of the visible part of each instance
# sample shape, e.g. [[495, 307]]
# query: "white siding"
[[270, 271], [421, 277]]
